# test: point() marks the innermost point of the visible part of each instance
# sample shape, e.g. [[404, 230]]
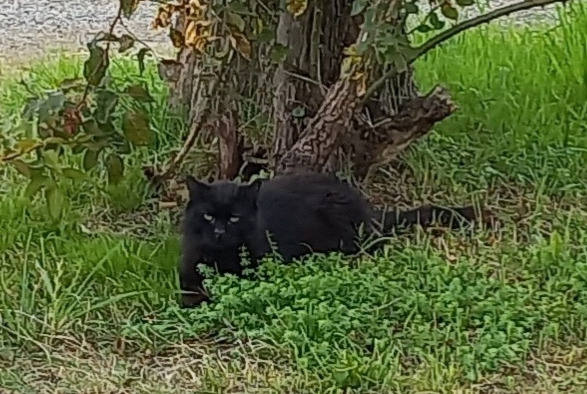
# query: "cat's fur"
[[300, 213]]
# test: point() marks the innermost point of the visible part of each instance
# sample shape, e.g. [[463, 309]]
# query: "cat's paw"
[[193, 300]]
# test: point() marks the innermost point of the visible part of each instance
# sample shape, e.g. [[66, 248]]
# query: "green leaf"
[[115, 167], [340, 377], [238, 7], [235, 20], [51, 159], [399, 61], [411, 8], [266, 35], [128, 7], [126, 42], [278, 53], [139, 93], [96, 65], [51, 106], [424, 28], [75, 174], [107, 127], [90, 159], [38, 181], [105, 104], [358, 7], [123, 148], [449, 11], [55, 201], [136, 128], [91, 127], [77, 149], [22, 167], [31, 108], [298, 112], [465, 3], [141, 59], [435, 21]]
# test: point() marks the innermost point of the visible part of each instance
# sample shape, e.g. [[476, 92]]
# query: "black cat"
[[298, 214]]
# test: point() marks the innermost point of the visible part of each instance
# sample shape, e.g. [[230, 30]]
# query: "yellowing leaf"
[[362, 84], [191, 34], [347, 65], [358, 76], [297, 7], [162, 18], [198, 5], [241, 44], [351, 50], [25, 145]]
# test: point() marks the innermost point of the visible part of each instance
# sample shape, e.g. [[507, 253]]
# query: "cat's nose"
[[219, 232]]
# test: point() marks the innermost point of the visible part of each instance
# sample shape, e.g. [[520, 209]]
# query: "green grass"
[[502, 311]]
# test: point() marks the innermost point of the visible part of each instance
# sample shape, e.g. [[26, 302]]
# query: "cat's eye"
[[207, 217], [234, 219]]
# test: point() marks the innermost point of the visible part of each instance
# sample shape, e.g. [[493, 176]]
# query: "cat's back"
[[317, 210], [316, 190]]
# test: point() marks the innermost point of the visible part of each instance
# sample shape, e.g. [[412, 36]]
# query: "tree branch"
[[391, 136], [477, 21], [453, 31]]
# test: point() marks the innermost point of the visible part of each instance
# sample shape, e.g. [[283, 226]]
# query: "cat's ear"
[[250, 191], [195, 187]]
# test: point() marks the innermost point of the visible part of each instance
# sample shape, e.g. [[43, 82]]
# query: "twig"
[[453, 31], [16, 155], [117, 19], [481, 19], [137, 39], [169, 171], [322, 87]]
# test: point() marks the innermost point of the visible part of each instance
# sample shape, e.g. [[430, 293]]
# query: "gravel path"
[[30, 28]]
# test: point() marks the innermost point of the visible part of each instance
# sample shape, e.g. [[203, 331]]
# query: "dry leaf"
[[362, 85], [176, 37], [297, 7], [241, 44]]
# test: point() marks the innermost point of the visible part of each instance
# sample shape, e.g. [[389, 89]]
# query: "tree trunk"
[[319, 122]]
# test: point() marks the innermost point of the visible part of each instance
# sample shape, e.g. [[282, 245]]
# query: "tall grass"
[[428, 314]]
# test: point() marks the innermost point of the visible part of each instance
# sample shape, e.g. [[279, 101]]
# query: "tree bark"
[[307, 136]]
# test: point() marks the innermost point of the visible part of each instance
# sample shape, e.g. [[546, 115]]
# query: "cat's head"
[[221, 213]]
